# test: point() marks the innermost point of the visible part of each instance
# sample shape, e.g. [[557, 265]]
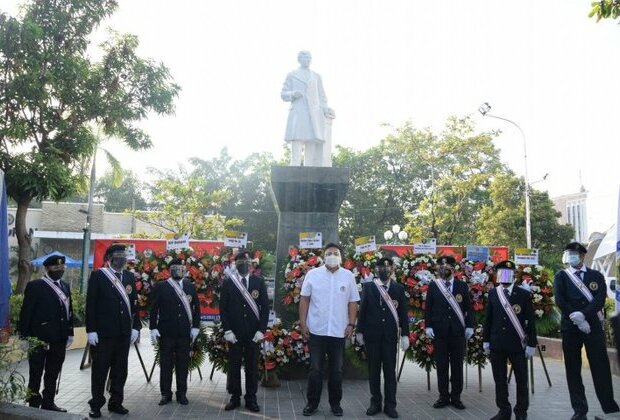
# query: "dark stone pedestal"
[[307, 199]]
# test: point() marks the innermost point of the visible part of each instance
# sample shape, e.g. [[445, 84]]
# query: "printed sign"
[[425, 247], [477, 253], [310, 240], [365, 244], [526, 256], [235, 239], [182, 243]]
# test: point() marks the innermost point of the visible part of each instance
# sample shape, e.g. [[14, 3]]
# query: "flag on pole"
[[5, 281], [618, 255]]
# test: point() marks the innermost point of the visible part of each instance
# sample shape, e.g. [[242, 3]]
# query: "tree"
[[502, 220], [52, 95], [459, 165], [129, 195], [182, 205], [605, 9]]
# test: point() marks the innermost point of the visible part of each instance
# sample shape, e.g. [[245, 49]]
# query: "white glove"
[[194, 333], [577, 318], [134, 336], [154, 336], [404, 342], [69, 341], [468, 333], [370, 277], [486, 347], [230, 337], [258, 337], [359, 337], [93, 338], [584, 327], [24, 345], [529, 352], [430, 332]]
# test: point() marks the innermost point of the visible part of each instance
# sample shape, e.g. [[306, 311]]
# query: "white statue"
[[309, 118]]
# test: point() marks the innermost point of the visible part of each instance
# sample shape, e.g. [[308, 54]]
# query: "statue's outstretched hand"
[[297, 94]]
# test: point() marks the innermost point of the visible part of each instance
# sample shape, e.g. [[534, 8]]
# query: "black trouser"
[[248, 350], [48, 359], [449, 355], [599, 366], [499, 360], [382, 352], [173, 353], [320, 345], [110, 354]]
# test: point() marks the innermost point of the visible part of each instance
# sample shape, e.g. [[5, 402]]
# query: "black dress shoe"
[[337, 410], [232, 405], [165, 399], [117, 408], [53, 407], [391, 412], [372, 410], [252, 406], [441, 403], [579, 417], [501, 416], [94, 414], [458, 404], [309, 409], [182, 399]]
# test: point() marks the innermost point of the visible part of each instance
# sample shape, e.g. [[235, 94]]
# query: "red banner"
[[159, 245], [496, 253]]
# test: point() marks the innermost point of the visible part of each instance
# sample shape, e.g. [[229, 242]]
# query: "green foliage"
[[12, 383], [78, 301], [129, 195], [609, 309], [15, 306], [502, 220], [605, 9]]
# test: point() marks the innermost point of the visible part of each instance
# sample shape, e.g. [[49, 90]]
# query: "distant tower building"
[[573, 209]]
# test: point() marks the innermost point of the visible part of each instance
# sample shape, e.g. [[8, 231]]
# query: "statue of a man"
[[309, 118]]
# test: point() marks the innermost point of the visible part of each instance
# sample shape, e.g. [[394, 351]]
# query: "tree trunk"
[[23, 240]]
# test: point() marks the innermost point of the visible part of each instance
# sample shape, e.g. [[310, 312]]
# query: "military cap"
[[54, 260], [507, 265], [576, 246], [114, 248], [176, 261], [446, 260]]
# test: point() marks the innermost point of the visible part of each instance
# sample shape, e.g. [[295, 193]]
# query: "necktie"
[[245, 283], [448, 286], [579, 274], [507, 293]]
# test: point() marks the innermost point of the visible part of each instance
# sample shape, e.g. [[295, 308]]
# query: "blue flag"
[[5, 281]]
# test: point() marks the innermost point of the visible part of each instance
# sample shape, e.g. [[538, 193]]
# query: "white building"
[[573, 209]]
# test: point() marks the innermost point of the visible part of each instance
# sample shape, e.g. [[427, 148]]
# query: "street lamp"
[[484, 110], [400, 234]]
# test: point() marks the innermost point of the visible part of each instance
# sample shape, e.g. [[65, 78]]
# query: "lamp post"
[[87, 229], [395, 232], [484, 110]]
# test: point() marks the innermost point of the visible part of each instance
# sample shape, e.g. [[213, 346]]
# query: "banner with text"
[[365, 244], [235, 239], [425, 247], [526, 256], [477, 253], [310, 240]]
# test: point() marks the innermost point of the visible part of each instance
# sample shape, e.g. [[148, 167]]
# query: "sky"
[[542, 64]]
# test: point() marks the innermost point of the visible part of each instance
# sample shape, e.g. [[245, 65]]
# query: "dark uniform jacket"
[[570, 299], [376, 321], [235, 312], [168, 314], [43, 315], [106, 311], [439, 314], [499, 331]]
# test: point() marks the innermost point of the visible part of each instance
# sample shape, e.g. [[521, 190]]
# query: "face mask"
[[384, 274], [332, 261], [177, 272], [505, 276], [445, 273], [56, 275], [571, 259], [243, 268], [117, 263]]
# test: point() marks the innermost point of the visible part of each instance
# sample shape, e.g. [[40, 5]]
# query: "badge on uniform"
[[255, 294], [395, 303], [594, 286], [189, 298], [517, 309], [128, 289], [459, 297]]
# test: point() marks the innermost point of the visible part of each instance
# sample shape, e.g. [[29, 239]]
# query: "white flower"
[[539, 313], [144, 276], [216, 258], [479, 277], [539, 268], [168, 259], [527, 270], [156, 270]]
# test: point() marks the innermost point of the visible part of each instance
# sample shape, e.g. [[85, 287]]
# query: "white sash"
[[388, 301], [181, 295], [583, 289], [511, 314], [451, 300], [119, 286], [61, 295], [234, 276]]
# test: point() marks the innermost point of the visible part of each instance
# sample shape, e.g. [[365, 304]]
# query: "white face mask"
[[333, 261], [571, 258]]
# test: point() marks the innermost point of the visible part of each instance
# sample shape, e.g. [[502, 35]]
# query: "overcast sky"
[[543, 64]]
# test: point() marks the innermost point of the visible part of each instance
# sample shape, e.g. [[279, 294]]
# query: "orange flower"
[[258, 254]]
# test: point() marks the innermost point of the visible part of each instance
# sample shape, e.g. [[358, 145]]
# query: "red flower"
[[430, 348], [296, 272], [313, 260], [268, 335], [218, 268], [364, 271], [293, 252], [410, 282], [138, 286], [478, 306], [287, 300], [286, 341], [349, 264], [295, 335], [479, 265], [258, 254], [525, 277], [270, 365]]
